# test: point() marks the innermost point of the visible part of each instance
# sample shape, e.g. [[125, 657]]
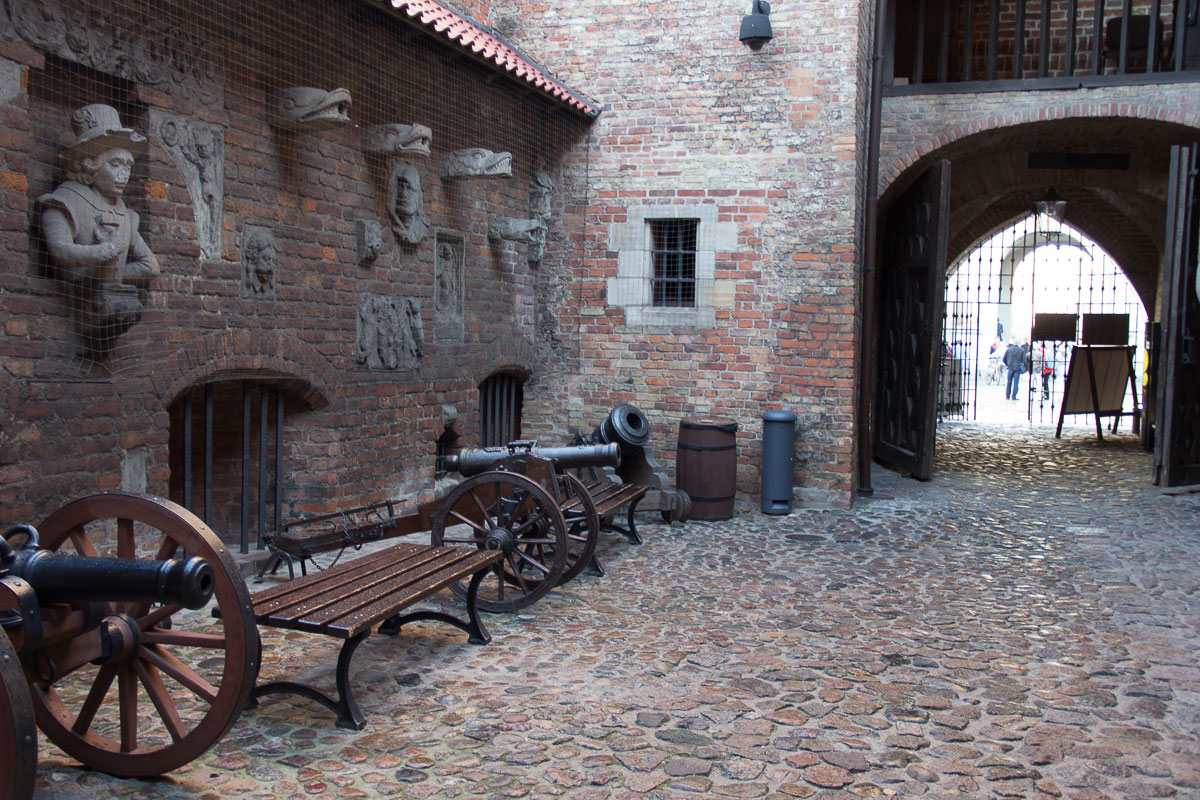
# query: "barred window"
[[500, 399], [673, 283]]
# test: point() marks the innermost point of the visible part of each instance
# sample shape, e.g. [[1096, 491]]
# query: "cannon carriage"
[[111, 641], [521, 499]]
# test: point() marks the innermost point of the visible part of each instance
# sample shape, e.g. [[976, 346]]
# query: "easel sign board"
[[1106, 329], [1097, 379], [1054, 327]]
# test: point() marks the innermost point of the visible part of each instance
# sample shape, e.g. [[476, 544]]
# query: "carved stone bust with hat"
[[96, 128], [91, 236]]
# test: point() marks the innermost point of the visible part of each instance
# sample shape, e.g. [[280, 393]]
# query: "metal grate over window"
[[673, 284], [500, 399]]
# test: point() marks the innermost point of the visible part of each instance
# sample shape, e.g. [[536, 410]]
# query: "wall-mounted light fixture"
[[1051, 205], [756, 26]]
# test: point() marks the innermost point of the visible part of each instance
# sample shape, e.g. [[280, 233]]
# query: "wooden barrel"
[[706, 465]]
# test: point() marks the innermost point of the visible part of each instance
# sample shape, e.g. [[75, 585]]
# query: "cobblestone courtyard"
[[1024, 626]]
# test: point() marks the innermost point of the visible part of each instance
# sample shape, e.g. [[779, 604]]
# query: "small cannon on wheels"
[[627, 427], [106, 646], [519, 499]]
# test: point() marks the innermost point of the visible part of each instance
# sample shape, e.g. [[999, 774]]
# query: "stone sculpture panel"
[[150, 50], [198, 152], [449, 267], [406, 203], [259, 259], [390, 334]]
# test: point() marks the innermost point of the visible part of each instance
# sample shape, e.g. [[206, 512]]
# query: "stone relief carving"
[[198, 152], [309, 109], [448, 269], [397, 139], [151, 50], [541, 208], [406, 204], [91, 236], [368, 240], [258, 262], [475, 162], [390, 334]]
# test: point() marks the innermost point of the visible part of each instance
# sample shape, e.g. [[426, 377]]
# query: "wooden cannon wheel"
[[506, 511], [18, 734], [583, 524], [188, 675]]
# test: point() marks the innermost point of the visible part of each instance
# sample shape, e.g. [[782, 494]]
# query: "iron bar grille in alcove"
[[500, 399]]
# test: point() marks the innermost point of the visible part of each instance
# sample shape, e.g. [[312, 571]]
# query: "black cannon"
[[628, 428], [61, 578], [474, 461], [106, 644]]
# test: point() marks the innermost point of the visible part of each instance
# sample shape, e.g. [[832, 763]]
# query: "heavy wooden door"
[[911, 289], [1177, 439]]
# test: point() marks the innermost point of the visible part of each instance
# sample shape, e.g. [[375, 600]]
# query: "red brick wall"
[[352, 434], [692, 117]]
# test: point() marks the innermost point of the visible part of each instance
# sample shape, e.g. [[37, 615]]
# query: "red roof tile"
[[466, 33]]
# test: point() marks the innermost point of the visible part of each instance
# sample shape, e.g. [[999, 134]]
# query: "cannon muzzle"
[[61, 578], [626, 426], [474, 461]]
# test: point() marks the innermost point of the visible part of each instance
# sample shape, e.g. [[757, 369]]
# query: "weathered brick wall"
[[693, 118], [353, 433]]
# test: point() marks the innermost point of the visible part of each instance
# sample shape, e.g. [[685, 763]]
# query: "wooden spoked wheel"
[[187, 675], [508, 512], [583, 525], [18, 734]]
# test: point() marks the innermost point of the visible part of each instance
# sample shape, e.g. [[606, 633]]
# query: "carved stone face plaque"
[[475, 162], [449, 252], [258, 262], [306, 108], [406, 203], [389, 335], [397, 139]]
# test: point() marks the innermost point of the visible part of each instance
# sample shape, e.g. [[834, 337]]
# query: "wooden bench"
[[347, 600], [608, 495]]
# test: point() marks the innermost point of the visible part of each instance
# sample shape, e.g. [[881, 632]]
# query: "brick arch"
[[923, 152], [247, 354]]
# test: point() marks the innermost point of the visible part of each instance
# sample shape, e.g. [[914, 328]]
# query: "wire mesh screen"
[[674, 257], [1022, 286], [336, 197]]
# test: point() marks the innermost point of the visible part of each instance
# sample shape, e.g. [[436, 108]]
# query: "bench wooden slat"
[[397, 558], [374, 604], [351, 598]]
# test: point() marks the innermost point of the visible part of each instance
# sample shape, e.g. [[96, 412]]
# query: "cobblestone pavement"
[[1023, 626]]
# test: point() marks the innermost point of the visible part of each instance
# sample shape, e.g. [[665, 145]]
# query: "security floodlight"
[[756, 26]]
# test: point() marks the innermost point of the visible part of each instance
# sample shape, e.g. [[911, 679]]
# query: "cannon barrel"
[[61, 578], [476, 460], [626, 426]]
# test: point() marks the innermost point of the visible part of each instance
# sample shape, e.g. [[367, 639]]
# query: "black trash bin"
[[706, 465], [778, 461]]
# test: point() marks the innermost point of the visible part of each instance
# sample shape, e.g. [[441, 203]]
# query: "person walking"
[[1014, 362]]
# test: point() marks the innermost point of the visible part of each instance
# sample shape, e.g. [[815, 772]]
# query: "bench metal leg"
[[630, 530], [348, 713], [476, 632], [273, 562]]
